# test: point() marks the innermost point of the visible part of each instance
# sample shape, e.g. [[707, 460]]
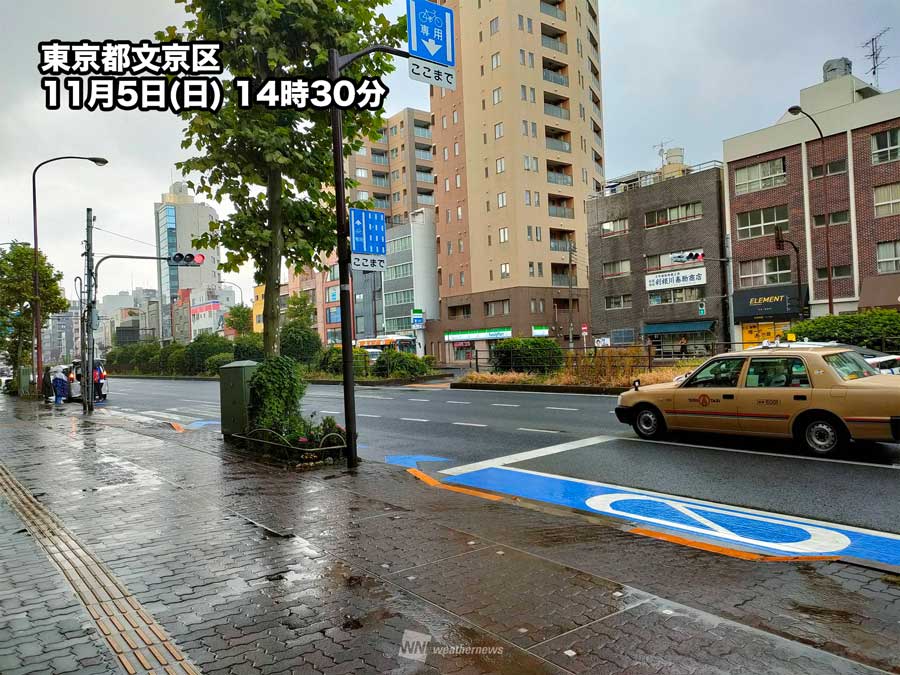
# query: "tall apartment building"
[[518, 149], [657, 258], [178, 219], [777, 177]]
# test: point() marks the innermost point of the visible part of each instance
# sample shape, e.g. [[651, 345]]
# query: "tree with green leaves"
[[275, 166], [240, 319], [300, 310], [16, 295], [301, 342]]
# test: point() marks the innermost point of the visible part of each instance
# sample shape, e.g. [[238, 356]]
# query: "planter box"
[[307, 458]]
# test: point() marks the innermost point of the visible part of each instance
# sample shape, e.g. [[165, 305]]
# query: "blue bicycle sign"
[[429, 28]]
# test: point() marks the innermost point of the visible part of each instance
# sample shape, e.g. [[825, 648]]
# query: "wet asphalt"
[[859, 488]]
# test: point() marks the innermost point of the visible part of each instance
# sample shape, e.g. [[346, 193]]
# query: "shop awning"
[[680, 327], [881, 291]]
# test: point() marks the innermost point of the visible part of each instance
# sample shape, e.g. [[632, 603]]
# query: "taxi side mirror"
[[636, 384]]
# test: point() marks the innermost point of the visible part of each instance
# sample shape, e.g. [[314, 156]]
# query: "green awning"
[[681, 327]]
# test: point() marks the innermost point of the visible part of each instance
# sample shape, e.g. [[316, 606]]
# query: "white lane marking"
[[469, 424], [412, 419], [871, 465], [550, 407], [459, 402], [540, 431], [693, 500], [364, 415], [193, 400], [420, 400], [386, 398], [523, 456], [331, 412], [506, 405]]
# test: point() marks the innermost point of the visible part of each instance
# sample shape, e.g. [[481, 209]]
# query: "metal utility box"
[[234, 396]]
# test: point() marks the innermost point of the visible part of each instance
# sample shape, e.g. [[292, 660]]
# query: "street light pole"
[[240, 290], [38, 322], [797, 110]]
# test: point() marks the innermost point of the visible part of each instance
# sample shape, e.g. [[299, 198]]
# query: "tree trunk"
[[271, 309]]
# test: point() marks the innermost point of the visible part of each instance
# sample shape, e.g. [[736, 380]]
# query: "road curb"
[[546, 388], [188, 378]]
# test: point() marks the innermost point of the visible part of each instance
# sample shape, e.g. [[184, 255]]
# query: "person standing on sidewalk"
[[682, 346], [60, 385], [47, 385]]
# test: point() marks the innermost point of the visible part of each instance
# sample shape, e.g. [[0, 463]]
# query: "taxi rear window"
[[850, 365]]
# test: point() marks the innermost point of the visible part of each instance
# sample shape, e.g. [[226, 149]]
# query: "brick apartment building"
[[777, 177], [656, 257]]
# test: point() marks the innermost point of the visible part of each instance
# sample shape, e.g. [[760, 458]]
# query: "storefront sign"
[[540, 331], [417, 318], [768, 302], [695, 276], [478, 334]]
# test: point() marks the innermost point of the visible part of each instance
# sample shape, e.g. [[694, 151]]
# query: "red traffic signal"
[[186, 259]]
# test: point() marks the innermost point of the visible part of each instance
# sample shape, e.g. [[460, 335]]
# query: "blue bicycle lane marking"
[[765, 532]]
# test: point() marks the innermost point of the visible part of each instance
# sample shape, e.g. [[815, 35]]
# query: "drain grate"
[[137, 640]]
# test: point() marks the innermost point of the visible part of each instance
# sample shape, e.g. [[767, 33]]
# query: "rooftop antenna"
[[661, 150], [873, 49]]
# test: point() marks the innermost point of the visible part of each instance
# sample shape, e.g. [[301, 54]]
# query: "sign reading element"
[[478, 334], [676, 279]]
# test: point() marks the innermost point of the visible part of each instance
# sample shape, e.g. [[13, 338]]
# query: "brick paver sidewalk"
[[125, 547]]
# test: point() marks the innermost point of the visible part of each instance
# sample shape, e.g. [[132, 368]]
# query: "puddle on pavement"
[[823, 613]]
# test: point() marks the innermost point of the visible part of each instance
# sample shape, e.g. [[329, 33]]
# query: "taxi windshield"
[[850, 365]]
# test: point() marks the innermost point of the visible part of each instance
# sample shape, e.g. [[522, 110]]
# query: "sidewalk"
[[127, 547]]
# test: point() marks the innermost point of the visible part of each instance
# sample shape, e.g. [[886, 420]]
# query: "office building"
[[657, 258], [178, 220], [778, 178], [518, 150]]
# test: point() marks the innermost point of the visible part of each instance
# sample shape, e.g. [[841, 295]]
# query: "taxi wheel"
[[649, 423], [823, 435]]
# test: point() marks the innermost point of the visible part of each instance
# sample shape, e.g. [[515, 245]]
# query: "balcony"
[[380, 181], [425, 177], [596, 109], [597, 140], [596, 81], [561, 211], [381, 139], [382, 203], [562, 280], [424, 155], [558, 178], [558, 144], [380, 159], [555, 77], [556, 111], [553, 10], [553, 43], [422, 132], [423, 198], [560, 245]]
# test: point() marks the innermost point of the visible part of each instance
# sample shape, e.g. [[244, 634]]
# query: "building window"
[[495, 60], [458, 213], [334, 273], [462, 278], [765, 271], [503, 235], [495, 25], [443, 121], [446, 185], [398, 298], [397, 324], [459, 246], [501, 165], [528, 233], [537, 305], [760, 176], [395, 174], [614, 227], [835, 167], [531, 59], [397, 272], [527, 197], [458, 180], [362, 151], [504, 270], [449, 248], [671, 296], [837, 272], [540, 269], [498, 130], [394, 130], [537, 231], [837, 218], [524, 127], [450, 280], [616, 268], [396, 197], [455, 117], [497, 95], [522, 56], [395, 153], [887, 200], [456, 149], [399, 244], [622, 336], [446, 154], [886, 146], [524, 92], [362, 173], [673, 214], [496, 308], [618, 301], [762, 222], [530, 26], [530, 268], [501, 200], [362, 195], [888, 257]]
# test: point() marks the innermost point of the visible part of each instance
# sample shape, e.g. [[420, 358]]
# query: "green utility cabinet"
[[234, 396]]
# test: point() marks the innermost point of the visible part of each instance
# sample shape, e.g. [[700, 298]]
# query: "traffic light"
[[701, 308], [686, 257], [186, 259]]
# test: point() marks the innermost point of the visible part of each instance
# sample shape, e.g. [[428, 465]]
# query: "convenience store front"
[[767, 312], [460, 345]]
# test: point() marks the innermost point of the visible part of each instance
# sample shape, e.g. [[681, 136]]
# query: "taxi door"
[[775, 390], [706, 401]]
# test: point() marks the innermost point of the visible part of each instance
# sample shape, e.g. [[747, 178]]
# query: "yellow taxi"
[[822, 397]]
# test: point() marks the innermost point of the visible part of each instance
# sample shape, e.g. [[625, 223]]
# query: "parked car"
[[73, 372], [821, 396], [373, 354]]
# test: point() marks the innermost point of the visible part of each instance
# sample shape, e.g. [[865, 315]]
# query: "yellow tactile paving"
[[119, 616]]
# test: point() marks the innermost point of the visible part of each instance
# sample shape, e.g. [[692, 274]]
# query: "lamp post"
[[38, 323], [797, 110], [240, 290]]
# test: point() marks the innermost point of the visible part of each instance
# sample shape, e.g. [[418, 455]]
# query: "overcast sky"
[[690, 72]]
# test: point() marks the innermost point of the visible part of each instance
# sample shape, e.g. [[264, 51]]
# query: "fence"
[[590, 364]]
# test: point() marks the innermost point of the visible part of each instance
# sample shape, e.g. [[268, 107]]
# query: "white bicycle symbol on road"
[[431, 16]]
